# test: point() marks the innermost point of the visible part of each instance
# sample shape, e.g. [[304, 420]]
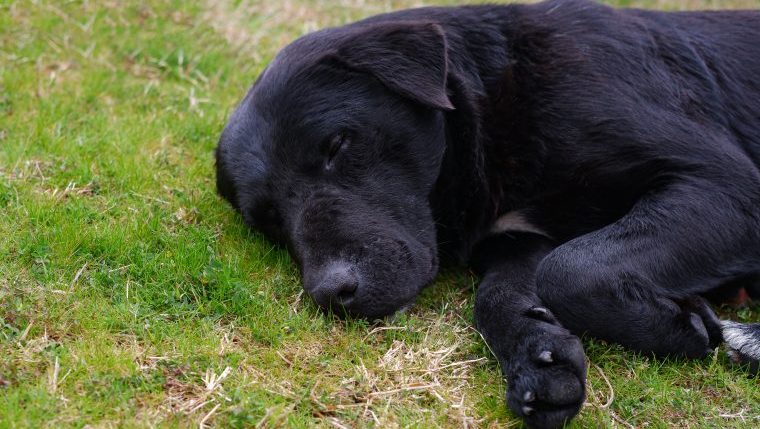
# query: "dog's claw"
[[546, 377], [546, 356]]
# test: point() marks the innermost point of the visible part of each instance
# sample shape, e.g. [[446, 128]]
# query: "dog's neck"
[[487, 149]]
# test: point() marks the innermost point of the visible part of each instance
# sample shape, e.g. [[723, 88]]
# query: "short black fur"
[[598, 167]]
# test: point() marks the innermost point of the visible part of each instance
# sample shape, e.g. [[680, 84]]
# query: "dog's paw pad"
[[546, 376]]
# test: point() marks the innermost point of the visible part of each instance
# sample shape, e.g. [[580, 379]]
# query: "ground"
[[131, 295]]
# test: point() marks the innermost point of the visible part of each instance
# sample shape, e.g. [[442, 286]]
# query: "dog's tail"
[[743, 343]]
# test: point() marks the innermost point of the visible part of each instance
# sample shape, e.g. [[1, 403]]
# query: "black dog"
[[599, 167]]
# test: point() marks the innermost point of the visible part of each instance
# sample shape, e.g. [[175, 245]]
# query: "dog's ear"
[[409, 58]]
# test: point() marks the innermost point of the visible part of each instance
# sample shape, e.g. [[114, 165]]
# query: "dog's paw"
[[743, 344], [546, 375], [705, 323]]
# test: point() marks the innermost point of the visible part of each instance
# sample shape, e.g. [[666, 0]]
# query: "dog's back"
[[702, 64], [725, 47]]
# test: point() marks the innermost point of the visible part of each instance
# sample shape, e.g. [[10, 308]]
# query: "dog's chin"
[[375, 308], [387, 313]]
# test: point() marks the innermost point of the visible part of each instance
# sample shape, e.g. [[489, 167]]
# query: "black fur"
[[629, 140]]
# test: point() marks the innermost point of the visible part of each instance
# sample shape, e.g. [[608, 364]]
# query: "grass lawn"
[[131, 295]]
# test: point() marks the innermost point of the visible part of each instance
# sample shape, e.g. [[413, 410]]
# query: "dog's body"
[[599, 167]]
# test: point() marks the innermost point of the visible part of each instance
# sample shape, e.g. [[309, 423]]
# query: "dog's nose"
[[337, 286]]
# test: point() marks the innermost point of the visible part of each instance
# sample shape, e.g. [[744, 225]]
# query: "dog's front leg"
[[543, 362]]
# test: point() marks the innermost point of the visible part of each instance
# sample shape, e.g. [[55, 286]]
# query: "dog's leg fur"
[[634, 282], [543, 362], [743, 342]]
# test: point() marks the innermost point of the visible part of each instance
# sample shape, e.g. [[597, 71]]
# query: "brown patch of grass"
[[696, 4], [31, 169], [249, 25], [412, 376], [71, 189]]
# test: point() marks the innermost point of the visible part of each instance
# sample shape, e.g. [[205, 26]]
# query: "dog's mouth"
[[378, 282], [361, 259]]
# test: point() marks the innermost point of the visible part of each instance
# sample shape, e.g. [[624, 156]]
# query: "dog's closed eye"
[[337, 143]]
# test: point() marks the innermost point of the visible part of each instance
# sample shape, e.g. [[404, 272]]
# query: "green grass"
[[132, 296]]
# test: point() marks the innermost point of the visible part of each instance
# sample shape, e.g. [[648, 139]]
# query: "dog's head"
[[334, 152]]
